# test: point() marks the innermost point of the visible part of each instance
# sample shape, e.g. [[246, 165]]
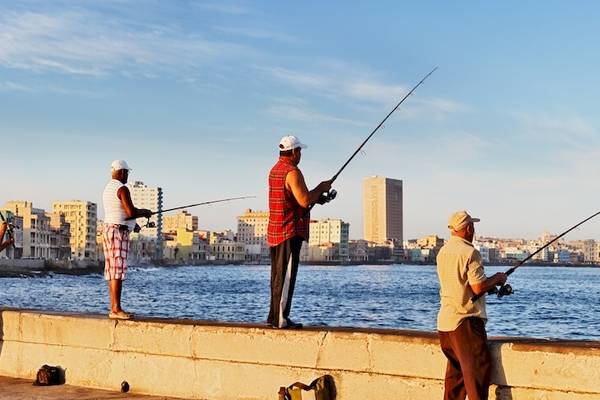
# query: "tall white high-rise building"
[[149, 197], [382, 209]]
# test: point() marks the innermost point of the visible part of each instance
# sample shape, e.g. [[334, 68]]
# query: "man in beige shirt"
[[461, 322]]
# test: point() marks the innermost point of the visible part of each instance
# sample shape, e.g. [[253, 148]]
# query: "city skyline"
[[195, 96]]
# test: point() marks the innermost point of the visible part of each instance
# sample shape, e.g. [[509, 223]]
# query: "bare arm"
[[294, 182], [497, 279], [130, 210]]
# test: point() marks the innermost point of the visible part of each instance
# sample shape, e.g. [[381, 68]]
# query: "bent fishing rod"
[[204, 203], [506, 289], [327, 197]]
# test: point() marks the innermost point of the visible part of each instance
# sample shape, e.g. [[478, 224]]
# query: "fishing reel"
[[504, 290], [327, 197]]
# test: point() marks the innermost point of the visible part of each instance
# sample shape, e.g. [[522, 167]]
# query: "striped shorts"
[[116, 250]]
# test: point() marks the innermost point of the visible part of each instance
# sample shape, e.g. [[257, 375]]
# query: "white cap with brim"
[[290, 142], [118, 165], [459, 220]]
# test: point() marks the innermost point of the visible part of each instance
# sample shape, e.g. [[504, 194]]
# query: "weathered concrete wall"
[[225, 361]]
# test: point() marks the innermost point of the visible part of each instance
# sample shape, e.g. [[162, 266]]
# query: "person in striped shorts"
[[289, 220], [118, 208]]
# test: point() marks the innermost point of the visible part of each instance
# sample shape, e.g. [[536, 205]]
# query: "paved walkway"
[[11, 388]]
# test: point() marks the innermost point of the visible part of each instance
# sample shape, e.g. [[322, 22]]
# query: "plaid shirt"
[[286, 217]]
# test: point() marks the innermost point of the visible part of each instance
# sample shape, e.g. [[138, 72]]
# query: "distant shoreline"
[[98, 268]]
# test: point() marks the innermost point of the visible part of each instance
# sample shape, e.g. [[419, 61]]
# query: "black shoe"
[[292, 325]]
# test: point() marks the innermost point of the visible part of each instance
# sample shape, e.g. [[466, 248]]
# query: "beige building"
[[60, 240], [83, 218], [330, 231], [252, 232], [382, 209], [36, 228], [151, 198], [181, 220]]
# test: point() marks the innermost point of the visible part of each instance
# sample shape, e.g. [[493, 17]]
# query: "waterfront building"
[[330, 231], [484, 251], [36, 228], [183, 219], [562, 256], [83, 219], [150, 197], [60, 240], [252, 232], [329, 252], [227, 250], [590, 251], [185, 246], [358, 250], [515, 253], [382, 209]]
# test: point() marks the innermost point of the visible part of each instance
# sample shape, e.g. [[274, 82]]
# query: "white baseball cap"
[[119, 165], [290, 143], [459, 220]]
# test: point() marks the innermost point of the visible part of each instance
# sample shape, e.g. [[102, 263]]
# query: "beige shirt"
[[458, 266]]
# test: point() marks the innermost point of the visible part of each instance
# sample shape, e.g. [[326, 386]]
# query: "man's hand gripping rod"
[[506, 289], [327, 197]]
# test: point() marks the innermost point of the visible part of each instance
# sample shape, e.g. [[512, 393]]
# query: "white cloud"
[[224, 8], [294, 109], [257, 33], [560, 127], [354, 87], [87, 43]]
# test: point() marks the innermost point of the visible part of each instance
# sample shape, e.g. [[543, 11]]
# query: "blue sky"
[[196, 94]]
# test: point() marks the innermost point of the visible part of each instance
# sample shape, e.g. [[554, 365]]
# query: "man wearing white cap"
[[118, 208], [461, 322], [289, 220]]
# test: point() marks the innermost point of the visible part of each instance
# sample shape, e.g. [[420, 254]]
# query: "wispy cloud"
[[257, 33], [296, 109], [561, 128], [87, 43], [351, 86], [9, 86], [224, 8]]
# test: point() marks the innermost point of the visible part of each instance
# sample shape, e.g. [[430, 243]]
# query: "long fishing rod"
[[204, 203], [506, 289], [380, 124], [332, 193]]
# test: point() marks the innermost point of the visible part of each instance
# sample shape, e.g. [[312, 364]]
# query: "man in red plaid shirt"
[[118, 211], [289, 220]]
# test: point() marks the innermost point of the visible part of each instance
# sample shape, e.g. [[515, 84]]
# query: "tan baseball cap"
[[459, 220]]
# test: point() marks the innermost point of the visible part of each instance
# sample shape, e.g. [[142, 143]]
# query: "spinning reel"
[[504, 290], [327, 197]]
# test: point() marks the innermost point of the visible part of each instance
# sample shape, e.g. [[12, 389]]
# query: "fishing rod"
[[506, 289], [327, 197], [204, 203]]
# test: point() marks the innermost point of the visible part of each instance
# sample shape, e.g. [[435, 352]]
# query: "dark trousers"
[[469, 361], [284, 268]]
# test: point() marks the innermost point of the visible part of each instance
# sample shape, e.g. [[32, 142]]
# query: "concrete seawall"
[[192, 359]]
